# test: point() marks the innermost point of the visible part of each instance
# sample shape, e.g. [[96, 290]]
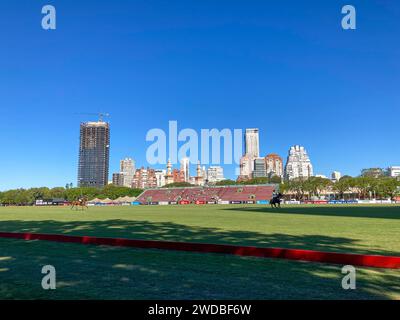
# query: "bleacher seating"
[[224, 194]]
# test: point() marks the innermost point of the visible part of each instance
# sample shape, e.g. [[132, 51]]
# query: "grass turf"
[[356, 229], [93, 272], [123, 273]]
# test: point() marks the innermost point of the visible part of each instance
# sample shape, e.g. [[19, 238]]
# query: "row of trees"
[[261, 180], [228, 182], [363, 187], [29, 196]]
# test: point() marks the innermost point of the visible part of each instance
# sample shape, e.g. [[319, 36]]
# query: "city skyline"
[[298, 77], [184, 163]]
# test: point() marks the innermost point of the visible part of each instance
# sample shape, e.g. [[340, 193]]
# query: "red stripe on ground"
[[376, 261]]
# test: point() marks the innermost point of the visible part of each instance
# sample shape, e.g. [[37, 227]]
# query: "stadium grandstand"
[[208, 195]]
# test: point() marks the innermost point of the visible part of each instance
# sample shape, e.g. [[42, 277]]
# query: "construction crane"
[[101, 115]]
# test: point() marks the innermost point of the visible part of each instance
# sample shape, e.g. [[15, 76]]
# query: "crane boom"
[[101, 115]]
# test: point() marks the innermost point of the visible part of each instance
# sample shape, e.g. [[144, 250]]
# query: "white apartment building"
[[215, 174], [252, 143], [298, 164], [160, 176], [127, 170]]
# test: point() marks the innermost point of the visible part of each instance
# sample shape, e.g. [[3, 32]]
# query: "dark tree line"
[[29, 196], [254, 181]]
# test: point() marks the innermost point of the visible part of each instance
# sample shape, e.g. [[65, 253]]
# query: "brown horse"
[[80, 204]]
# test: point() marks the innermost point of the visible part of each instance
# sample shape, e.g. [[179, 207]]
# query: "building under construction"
[[94, 154]]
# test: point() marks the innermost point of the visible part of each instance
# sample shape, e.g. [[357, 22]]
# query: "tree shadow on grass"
[[377, 212], [99, 272], [168, 231]]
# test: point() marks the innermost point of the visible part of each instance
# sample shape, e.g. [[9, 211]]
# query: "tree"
[[260, 180], [178, 185], [364, 184], [58, 192], [226, 182], [318, 184], [387, 187], [275, 179], [297, 186], [343, 185], [373, 172], [114, 192], [29, 197]]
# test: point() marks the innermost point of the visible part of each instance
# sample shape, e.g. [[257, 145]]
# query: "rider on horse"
[[276, 199]]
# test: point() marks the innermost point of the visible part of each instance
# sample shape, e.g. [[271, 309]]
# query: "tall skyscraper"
[[127, 169], [252, 145], [94, 154], [185, 163], [298, 164]]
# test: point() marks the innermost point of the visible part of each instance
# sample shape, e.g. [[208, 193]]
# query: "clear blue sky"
[[286, 67]]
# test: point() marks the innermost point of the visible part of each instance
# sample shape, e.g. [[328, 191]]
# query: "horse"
[[276, 201], [80, 203]]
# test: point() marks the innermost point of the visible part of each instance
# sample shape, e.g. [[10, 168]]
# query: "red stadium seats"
[[236, 194]]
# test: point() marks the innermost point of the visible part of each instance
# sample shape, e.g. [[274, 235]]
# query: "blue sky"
[[286, 67]]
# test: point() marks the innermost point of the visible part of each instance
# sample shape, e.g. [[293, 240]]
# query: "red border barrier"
[[376, 261]]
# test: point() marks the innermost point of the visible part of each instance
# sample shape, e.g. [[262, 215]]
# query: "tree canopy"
[[29, 196], [363, 187]]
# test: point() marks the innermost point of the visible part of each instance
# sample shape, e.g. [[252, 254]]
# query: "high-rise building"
[[127, 169], [144, 178], [259, 168], [185, 163], [126, 173], [252, 145], [160, 177], [215, 174], [127, 165], [94, 154], [274, 165], [118, 179], [246, 167], [298, 164]]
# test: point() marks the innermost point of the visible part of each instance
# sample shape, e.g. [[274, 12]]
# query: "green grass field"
[[124, 273]]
